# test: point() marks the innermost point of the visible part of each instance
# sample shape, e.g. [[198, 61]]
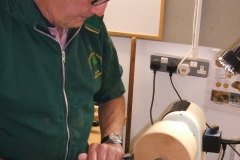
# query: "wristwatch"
[[112, 138]]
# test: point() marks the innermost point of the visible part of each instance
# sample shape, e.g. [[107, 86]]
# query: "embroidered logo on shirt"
[[93, 60]]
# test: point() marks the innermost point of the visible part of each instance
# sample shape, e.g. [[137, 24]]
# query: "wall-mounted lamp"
[[230, 60]]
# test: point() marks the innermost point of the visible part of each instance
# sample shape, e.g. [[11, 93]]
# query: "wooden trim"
[[130, 95]]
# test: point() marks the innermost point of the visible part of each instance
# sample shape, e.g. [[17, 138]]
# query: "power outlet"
[[198, 67]]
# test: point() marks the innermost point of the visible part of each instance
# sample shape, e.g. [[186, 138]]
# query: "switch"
[[164, 60], [193, 64]]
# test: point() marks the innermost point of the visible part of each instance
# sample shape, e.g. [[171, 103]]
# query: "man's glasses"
[[98, 2]]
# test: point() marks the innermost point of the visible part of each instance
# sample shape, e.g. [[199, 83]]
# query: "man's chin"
[[73, 25]]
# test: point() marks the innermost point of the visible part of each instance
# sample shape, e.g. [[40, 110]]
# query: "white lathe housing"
[[177, 136]]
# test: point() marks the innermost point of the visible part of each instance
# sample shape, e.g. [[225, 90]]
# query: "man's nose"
[[99, 10]]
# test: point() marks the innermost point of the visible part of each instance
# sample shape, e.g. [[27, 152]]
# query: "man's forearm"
[[111, 116]]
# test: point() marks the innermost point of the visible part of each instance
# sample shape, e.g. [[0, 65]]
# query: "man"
[[56, 60]]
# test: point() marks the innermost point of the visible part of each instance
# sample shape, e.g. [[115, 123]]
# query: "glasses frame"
[[94, 3]]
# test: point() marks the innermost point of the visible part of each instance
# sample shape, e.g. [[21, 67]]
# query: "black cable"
[[171, 68], [208, 126], [175, 88], [225, 142], [234, 149], [154, 65], [153, 94], [224, 148]]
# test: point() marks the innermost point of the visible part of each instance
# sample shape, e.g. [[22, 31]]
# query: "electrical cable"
[[208, 126], [155, 65], [175, 88], [193, 38], [183, 61], [153, 94], [171, 68], [224, 149], [234, 149], [226, 142]]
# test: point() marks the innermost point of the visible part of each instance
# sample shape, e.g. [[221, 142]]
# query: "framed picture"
[[135, 18]]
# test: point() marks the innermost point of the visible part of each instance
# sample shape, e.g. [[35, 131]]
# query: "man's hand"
[[103, 152], [111, 116]]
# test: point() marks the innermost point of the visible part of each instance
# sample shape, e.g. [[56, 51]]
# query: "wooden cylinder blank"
[[166, 140]]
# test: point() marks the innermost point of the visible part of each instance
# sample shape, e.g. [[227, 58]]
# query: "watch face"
[[115, 137]]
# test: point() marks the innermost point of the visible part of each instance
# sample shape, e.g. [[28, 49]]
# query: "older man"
[[56, 60]]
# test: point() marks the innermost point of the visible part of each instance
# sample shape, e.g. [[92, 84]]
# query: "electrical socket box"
[[198, 67]]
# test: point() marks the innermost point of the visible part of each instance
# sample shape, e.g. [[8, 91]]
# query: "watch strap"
[[105, 139]]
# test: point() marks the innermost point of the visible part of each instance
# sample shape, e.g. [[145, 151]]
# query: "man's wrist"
[[112, 138]]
